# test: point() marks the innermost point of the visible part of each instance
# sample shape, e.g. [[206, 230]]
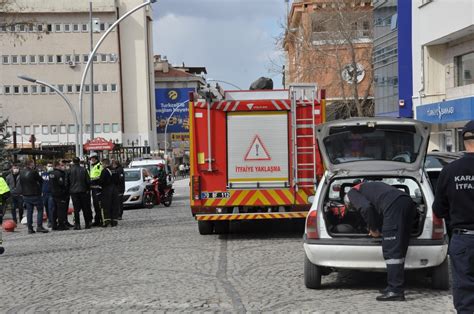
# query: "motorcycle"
[[152, 195]]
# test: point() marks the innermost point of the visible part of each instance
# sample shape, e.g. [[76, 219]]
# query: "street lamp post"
[[91, 57], [166, 128], [221, 81], [71, 108]]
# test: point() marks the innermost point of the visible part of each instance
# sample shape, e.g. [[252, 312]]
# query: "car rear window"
[[349, 144]]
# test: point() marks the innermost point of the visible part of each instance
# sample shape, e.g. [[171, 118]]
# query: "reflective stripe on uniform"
[[395, 261]]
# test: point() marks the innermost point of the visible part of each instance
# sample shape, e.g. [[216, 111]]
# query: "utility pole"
[[91, 123]]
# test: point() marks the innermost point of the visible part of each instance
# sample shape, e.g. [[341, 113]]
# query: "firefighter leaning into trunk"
[[387, 209]]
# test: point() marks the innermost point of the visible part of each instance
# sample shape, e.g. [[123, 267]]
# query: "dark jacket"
[[79, 180], [108, 181], [31, 182], [119, 179], [46, 189], [13, 181], [59, 184]]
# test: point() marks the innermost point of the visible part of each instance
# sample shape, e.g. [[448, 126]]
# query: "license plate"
[[206, 195]]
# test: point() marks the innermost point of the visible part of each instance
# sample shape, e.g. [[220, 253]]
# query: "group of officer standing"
[[52, 188]]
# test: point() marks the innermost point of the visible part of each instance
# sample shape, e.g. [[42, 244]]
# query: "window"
[[32, 59], [75, 27], [95, 58], [5, 59], [23, 59], [113, 57], [59, 59], [31, 27], [96, 87], [87, 88], [113, 87], [39, 27], [61, 88], [54, 129], [85, 58], [57, 28], [102, 26], [465, 69], [78, 88], [22, 28], [27, 130], [62, 129], [67, 28], [49, 27], [115, 127], [69, 88], [3, 28], [7, 89], [36, 129], [97, 128], [50, 59], [18, 130], [103, 57], [9, 130], [106, 128], [105, 87], [77, 58], [41, 59], [67, 58], [14, 59], [25, 89], [71, 128], [16, 89], [51, 91], [88, 128], [85, 27], [43, 89], [34, 89]]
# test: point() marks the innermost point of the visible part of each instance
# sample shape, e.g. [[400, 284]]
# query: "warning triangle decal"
[[257, 150]]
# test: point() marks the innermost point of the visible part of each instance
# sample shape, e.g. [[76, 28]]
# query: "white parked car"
[[136, 179], [369, 149]]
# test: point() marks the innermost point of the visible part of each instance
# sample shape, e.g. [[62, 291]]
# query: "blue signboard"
[[167, 100], [447, 111]]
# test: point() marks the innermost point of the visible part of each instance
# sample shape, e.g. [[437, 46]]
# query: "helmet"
[[161, 166]]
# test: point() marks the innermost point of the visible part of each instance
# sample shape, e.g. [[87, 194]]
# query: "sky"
[[234, 39]]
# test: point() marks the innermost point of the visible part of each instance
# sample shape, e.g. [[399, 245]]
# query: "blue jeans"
[[30, 203], [48, 203]]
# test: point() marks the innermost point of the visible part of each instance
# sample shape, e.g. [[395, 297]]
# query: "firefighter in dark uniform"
[[389, 213], [119, 179], [60, 191], [454, 199], [110, 195], [96, 189]]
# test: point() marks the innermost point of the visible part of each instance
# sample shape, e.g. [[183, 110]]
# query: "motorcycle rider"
[[110, 195], [162, 181], [96, 189]]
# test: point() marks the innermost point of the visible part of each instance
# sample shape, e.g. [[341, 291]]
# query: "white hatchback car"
[[136, 179], [368, 149]]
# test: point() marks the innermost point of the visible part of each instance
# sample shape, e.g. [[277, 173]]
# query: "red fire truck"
[[254, 155]]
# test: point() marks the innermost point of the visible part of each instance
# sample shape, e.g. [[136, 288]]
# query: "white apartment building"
[[443, 68], [50, 41]]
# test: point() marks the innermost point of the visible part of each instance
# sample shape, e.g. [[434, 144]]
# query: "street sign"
[[99, 143]]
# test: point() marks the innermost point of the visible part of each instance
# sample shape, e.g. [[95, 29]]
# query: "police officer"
[[110, 194], [4, 195], [60, 191], [454, 199], [96, 189], [79, 186], [389, 213]]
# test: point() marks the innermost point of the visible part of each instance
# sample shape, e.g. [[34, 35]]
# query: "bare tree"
[[14, 23], [333, 46]]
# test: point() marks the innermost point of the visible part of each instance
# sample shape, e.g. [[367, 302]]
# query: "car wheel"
[[149, 201], [312, 274], [205, 227], [222, 227], [440, 276]]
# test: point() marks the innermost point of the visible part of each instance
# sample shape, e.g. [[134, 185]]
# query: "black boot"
[[88, 225], [68, 224], [77, 227], [96, 224], [31, 230], [41, 229], [391, 296], [114, 223], [106, 224]]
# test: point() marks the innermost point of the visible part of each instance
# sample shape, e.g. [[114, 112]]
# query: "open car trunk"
[[349, 223]]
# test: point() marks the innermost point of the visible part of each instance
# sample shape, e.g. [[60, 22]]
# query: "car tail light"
[[438, 228], [196, 188], [312, 225]]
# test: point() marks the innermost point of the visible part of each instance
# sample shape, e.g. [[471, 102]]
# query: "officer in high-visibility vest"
[[95, 172], [4, 195]]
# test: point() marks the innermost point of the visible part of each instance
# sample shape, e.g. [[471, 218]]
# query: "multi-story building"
[[50, 41], [443, 68], [392, 58], [323, 41]]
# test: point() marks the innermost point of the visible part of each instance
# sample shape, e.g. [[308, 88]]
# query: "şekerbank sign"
[[447, 111]]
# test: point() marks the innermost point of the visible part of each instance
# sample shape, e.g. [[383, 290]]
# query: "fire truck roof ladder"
[[304, 135]]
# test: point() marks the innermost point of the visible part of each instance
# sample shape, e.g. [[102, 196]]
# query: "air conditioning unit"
[[71, 63]]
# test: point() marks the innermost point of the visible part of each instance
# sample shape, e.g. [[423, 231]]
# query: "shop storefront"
[[447, 119]]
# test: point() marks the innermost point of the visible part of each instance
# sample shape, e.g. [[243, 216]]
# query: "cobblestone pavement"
[[156, 261]]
